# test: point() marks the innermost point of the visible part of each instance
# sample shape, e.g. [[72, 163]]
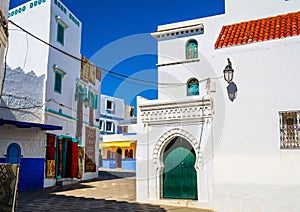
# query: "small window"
[[191, 49], [60, 34], [126, 153], [58, 82], [289, 130], [132, 111], [193, 87], [109, 126], [109, 105]]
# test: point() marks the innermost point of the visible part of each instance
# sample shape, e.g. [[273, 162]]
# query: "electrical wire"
[[21, 108], [76, 58], [111, 73], [5, 97]]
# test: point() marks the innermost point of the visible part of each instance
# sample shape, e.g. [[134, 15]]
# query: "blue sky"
[[116, 36]]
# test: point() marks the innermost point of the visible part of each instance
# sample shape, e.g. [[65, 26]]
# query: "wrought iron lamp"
[[228, 76], [232, 91], [228, 72]]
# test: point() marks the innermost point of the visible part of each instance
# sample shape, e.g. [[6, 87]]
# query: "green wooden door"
[[180, 178]]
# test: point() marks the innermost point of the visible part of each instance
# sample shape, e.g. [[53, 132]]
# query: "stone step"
[[66, 181]]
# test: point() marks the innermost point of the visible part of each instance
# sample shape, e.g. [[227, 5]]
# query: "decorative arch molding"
[[168, 136]]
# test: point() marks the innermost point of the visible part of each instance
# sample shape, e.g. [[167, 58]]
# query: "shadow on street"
[[52, 202], [46, 199], [112, 175], [113, 190]]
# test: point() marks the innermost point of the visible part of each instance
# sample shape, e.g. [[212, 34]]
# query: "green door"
[[180, 178]]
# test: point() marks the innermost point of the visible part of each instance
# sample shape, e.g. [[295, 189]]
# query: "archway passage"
[[180, 177], [119, 158], [13, 154]]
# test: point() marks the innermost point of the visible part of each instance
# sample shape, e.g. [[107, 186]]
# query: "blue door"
[[13, 154]]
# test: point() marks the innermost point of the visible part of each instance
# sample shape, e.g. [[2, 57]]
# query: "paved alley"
[[113, 191]]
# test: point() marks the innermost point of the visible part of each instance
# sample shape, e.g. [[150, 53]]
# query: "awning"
[[116, 144], [23, 124]]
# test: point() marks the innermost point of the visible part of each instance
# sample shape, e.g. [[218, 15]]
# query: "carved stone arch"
[[168, 136]]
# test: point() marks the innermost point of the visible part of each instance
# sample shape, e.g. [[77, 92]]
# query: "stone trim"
[[167, 136], [179, 32], [197, 110]]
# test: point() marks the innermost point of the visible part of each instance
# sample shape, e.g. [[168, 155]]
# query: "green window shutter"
[[96, 102], [58, 82], [60, 36]]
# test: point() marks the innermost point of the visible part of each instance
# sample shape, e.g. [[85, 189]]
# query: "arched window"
[[13, 154], [108, 154], [193, 87], [131, 153], [191, 49], [126, 153]]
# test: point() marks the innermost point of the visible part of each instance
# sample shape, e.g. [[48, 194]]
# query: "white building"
[[3, 36], [118, 134], [112, 110], [48, 86], [196, 147], [23, 137]]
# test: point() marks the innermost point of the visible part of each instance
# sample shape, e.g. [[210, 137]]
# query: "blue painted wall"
[[108, 164], [127, 164], [105, 163], [31, 173]]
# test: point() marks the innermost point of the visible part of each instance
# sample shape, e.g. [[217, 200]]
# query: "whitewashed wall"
[[25, 51], [30, 54], [32, 141], [114, 115], [71, 66], [118, 111], [64, 103], [250, 171], [249, 154], [22, 97]]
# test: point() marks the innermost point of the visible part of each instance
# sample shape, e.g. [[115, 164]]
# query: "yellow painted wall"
[[114, 149]]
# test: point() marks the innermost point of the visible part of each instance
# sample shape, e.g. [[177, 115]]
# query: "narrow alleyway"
[[113, 191]]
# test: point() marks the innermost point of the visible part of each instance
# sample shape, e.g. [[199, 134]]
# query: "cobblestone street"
[[113, 191]]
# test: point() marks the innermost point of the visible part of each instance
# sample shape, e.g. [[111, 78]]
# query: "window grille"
[[289, 129]]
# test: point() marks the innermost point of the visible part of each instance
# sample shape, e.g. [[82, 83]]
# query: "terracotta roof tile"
[[264, 29]]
